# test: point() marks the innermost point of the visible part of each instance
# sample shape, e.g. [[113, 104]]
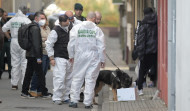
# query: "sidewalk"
[[142, 103]]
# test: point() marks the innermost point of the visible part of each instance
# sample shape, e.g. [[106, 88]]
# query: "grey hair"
[[98, 13], [91, 15]]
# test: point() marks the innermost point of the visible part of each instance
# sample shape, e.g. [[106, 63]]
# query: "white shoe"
[[141, 92], [134, 84]]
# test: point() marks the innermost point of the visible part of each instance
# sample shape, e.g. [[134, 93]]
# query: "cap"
[[78, 6]]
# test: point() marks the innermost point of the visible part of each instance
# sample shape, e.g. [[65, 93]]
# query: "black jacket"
[[81, 18], [147, 36], [60, 46], [36, 39]]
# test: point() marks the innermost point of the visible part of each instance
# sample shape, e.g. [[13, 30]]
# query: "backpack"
[[24, 39]]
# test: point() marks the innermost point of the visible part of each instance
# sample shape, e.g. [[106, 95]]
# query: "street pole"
[[171, 55]]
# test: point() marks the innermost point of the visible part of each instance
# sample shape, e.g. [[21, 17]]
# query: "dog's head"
[[125, 79]]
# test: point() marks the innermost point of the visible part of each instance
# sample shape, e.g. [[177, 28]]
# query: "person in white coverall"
[[18, 59], [86, 52], [56, 46]]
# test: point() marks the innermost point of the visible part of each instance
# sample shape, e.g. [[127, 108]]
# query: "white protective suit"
[[61, 71], [18, 59], [87, 47]]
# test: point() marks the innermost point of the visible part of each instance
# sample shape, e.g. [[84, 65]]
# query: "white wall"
[[182, 55]]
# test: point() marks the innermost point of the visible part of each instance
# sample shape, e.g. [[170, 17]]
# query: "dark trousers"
[[146, 63], [33, 66], [35, 83], [6, 49]]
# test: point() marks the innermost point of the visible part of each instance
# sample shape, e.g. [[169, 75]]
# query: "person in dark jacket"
[[147, 45], [6, 49], [34, 57], [1, 36], [78, 8]]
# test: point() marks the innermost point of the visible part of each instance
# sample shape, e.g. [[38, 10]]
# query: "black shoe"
[[1, 72], [9, 75], [70, 104], [89, 107], [81, 97], [14, 87], [73, 105], [47, 96]]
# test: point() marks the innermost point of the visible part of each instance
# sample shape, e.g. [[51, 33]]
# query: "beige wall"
[[130, 12], [7, 5]]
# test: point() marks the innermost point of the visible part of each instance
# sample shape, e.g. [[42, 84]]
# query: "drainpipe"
[[14, 6], [171, 55]]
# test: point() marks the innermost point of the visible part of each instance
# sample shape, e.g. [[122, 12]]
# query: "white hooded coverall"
[[87, 47], [61, 71], [18, 55]]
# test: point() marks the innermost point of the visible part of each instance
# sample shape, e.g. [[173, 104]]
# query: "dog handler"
[[86, 49]]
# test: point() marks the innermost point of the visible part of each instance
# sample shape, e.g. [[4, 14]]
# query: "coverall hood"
[[20, 14], [89, 24]]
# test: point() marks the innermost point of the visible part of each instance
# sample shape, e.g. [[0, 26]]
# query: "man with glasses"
[[56, 46]]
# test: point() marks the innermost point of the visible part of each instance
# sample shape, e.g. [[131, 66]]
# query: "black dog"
[[114, 79]]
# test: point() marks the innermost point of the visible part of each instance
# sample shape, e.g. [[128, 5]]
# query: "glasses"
[[71, 18]]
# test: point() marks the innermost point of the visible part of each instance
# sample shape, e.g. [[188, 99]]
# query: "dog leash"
[[112, 61], [115, 76]]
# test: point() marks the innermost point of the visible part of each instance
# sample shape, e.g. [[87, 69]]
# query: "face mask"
[[42, 22]]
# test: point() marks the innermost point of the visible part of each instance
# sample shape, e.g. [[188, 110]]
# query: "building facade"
[[130, 12], [32, 5], [173, 45]]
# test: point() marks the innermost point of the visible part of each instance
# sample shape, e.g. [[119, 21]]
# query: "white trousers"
[[62, 78], [84, 69], [18, 62]]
